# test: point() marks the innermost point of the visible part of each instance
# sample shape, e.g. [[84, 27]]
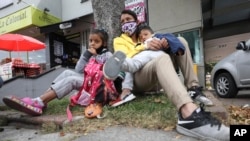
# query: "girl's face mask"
[[99, 50], [129, 28]]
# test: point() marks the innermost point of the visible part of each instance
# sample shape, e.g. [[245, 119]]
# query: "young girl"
[[66, 81]]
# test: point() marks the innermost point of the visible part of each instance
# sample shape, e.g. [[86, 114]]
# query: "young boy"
[[146, 34]]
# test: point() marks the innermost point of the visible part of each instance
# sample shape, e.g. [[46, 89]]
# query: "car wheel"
[[225, 86]]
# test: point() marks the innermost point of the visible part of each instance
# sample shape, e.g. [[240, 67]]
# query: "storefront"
[[25, 21], [26, 18]]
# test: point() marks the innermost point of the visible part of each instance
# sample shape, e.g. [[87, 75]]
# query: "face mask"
[[99, 50], [129, 28]]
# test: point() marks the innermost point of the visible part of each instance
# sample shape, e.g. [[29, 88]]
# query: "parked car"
[[232, 73]]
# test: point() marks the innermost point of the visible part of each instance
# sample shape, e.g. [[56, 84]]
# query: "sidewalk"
[[120, 133]]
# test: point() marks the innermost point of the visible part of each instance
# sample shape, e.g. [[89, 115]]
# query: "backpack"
[[95, 92]]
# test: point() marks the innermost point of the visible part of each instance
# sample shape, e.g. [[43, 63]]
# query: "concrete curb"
[[18, 117], [218, 108]]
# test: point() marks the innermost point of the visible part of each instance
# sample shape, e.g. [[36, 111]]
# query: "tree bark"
[[107, 17]]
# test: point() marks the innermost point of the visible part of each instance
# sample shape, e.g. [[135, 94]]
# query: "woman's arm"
[[156, 44]]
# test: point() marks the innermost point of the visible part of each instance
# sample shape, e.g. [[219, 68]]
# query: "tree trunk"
[[107, 17]]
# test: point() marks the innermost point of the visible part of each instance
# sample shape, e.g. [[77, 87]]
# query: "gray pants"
[[66, 82], [139, 60], [132, 65]]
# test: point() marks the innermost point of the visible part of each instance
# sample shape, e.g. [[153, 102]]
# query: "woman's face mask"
[[129, 28]]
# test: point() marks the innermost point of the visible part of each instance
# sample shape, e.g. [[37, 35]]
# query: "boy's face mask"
[[129, 28]]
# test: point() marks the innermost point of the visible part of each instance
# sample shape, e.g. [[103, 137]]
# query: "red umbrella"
[[18, 42]]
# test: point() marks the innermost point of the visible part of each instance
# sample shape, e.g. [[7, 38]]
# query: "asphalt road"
[[117, 133], [11, 133]]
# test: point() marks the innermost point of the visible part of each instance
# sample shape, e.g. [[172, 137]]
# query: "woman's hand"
[[164, 43], [156, 44]]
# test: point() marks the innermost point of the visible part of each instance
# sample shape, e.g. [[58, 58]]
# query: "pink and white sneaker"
[[26, 105], [119, 101]]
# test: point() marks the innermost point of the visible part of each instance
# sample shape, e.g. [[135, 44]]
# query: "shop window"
[[85, 40], [194, 43]]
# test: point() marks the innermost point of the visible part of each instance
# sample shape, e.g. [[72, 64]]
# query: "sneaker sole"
[[19, 105], [129, 98], [112, 67], [206, 102], [186, 132]]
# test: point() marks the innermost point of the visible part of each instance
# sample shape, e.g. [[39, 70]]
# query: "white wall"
[[219, 48], [174, 15], [73, 9], [53, 5], [63, 9]]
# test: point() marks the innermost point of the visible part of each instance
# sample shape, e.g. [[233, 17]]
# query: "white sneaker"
[[119, 101], [112, 66], [204, 100], [197, 95]]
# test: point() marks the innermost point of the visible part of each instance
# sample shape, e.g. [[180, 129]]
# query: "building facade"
[[226, 22], [60, 26], [183, 18], [211, 27]]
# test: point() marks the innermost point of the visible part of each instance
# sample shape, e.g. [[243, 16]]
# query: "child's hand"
[[180, 52], [92, 51]]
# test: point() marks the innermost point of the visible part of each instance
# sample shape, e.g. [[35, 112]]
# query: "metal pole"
[[27, 57]]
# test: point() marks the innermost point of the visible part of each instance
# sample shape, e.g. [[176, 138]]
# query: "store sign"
[[26, 17], [5, 3], [138, 6], [15, 21]]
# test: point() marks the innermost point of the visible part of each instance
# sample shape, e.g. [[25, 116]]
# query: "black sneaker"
[[203, 126], [118, 81], [197, 95]]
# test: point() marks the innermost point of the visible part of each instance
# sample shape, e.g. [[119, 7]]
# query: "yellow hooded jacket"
[[125, 44]]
